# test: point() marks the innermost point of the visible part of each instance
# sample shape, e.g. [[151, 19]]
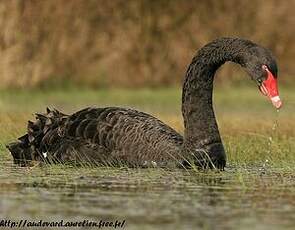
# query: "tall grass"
[[130, 43]]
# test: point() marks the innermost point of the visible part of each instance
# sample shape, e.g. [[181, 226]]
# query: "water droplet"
[[273, 132]]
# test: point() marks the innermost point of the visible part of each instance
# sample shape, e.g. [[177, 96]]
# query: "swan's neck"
[[201, 129]]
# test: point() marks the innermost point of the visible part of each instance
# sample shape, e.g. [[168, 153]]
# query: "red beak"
[[269, 88]]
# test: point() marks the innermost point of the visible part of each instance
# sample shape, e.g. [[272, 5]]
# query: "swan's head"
[[262, 67]]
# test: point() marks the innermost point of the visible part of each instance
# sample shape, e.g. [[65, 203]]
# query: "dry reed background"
[[131, 43]]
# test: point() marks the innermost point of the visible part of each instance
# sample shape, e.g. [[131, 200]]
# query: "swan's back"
[[108, 135]]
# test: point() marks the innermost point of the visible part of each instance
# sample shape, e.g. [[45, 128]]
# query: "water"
[[252, 197], [273, 132]]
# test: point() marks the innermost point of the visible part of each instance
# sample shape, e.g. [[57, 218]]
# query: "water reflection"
[[151, 198]]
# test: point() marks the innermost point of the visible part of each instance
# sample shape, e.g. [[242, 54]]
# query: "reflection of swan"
[[117, 135]]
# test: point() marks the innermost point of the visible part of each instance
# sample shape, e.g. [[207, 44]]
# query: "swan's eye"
[[265, 73], [265, 67]]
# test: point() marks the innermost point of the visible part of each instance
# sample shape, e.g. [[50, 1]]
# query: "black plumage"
[[120, 136]]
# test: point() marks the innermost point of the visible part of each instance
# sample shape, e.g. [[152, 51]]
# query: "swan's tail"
[[30, 147]]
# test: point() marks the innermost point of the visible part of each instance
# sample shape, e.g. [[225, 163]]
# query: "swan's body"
[[124, 136], [111, 135]]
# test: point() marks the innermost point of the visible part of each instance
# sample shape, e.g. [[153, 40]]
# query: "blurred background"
[[135, 43]]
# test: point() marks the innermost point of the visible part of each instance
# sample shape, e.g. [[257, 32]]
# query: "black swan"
[[115, 136]]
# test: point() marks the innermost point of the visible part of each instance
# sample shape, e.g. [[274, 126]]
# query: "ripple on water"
[[155, 198]]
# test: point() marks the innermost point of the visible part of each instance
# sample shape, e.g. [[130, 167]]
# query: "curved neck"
[[199, 120]]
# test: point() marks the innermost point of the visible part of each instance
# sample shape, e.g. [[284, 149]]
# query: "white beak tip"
[[276, 101]]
